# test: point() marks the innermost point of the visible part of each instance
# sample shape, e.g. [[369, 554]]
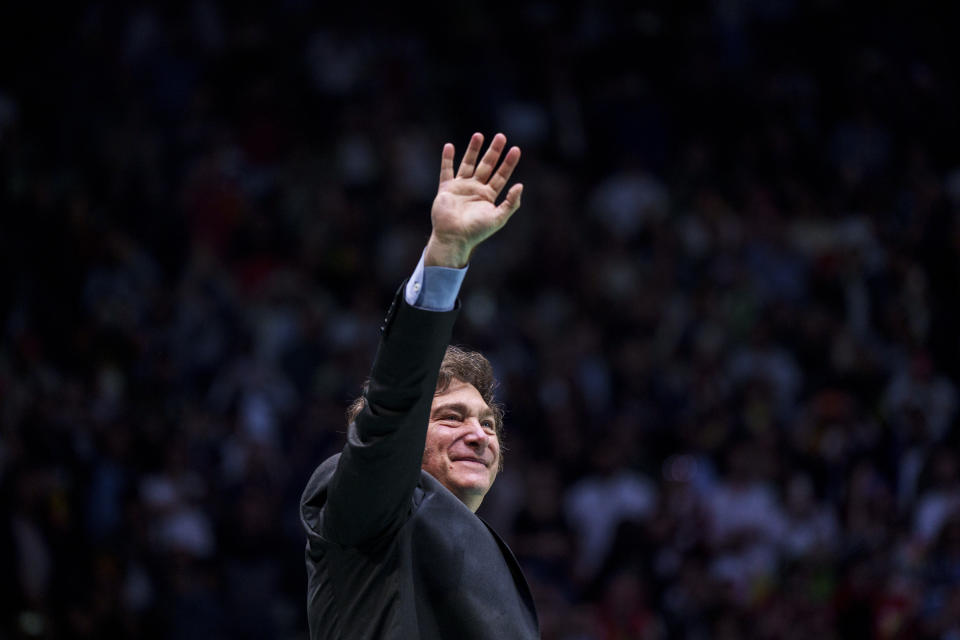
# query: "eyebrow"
[[462, 409]]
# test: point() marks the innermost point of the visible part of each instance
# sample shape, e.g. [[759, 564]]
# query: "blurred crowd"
[[724, 318]]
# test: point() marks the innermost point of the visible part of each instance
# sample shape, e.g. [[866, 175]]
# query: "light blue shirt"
[[434, 288]]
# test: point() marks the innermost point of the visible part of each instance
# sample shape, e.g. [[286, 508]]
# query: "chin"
[[472, 487]]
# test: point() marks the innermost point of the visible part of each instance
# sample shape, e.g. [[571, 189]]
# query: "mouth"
[[478, 461]]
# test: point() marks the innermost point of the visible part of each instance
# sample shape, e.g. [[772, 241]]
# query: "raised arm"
[[370, 492]]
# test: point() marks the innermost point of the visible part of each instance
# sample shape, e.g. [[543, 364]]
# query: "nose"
[[476, 436]]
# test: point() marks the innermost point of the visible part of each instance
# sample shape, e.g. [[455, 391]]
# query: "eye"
[[452, 417], [488, 425]]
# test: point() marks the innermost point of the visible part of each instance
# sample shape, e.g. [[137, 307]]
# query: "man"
[[394, 549]]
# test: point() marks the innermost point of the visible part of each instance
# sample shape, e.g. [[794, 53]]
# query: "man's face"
[[462, 449]]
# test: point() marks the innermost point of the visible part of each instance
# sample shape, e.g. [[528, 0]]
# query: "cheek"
[[432, 444], [434, 458], [429, 462]]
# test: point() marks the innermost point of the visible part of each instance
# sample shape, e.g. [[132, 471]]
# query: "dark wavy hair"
[[458, 364]]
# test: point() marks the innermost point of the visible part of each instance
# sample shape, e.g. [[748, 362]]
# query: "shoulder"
[[315, 495]]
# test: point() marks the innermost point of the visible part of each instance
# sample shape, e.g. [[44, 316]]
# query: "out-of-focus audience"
[[725, 319]]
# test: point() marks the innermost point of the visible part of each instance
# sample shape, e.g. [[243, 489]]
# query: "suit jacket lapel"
[[515, 570]]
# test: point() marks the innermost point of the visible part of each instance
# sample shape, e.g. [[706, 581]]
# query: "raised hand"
[[465, 212]]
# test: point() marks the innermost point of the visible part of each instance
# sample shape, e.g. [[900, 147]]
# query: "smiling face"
[[462, 449]]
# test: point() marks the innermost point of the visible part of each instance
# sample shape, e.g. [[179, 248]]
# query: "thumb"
[[510, 203]]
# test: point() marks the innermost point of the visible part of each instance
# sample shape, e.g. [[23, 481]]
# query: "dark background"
[[724, 318]]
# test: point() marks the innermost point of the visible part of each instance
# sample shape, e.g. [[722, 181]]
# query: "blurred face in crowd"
[[462, 449]]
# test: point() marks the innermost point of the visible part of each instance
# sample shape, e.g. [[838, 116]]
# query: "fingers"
[[469, 162], [485, 171], [490, 158], [510, 203], [503, 174], [446, 163]]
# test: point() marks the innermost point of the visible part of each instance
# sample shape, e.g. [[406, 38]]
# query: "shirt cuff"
[[434, 288]]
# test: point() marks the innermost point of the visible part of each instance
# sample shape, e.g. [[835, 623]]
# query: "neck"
[[472, 502]]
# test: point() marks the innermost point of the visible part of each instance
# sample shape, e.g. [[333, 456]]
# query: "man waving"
[[394, 548]]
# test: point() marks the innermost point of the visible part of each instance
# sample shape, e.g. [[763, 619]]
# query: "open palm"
[[465, 211]]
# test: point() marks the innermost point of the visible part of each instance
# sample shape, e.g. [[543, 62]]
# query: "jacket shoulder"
[[315, 496]]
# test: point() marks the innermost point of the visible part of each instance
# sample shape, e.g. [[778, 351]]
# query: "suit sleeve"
[[370, 492]]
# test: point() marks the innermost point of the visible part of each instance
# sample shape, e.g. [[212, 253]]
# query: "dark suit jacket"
[[391, 553]]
